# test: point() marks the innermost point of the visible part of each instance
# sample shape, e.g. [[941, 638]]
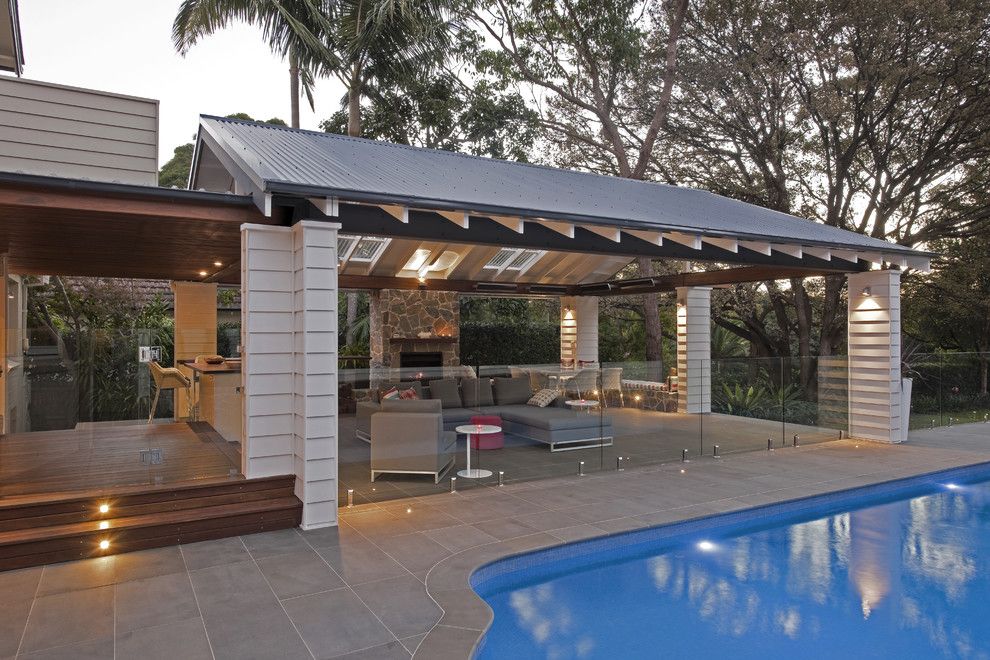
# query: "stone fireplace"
[[413, 327]]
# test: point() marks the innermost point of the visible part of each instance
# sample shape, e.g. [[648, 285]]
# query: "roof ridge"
[[486, 159]]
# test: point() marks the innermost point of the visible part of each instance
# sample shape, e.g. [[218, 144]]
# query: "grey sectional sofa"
[[559, 427]]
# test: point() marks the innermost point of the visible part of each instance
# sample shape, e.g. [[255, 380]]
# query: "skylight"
[[516, 260]]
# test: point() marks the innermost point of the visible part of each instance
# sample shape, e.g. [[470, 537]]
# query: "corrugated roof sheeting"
[[314, 163]]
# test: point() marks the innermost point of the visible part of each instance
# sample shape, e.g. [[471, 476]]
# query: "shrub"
[[495, 343]]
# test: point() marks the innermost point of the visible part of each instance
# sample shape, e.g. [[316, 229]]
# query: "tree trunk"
[[352, 308], [651, 317], [354, 110], [294, 90], [806, 368]]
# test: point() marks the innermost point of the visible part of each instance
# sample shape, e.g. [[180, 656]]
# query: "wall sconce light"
[[867, 291]]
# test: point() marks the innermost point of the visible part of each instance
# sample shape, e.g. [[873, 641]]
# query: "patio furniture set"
[[418, 435]]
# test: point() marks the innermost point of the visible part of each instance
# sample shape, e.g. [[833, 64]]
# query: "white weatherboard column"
[[579, 328], [694, 349], [315, 325], [289, 368], [874, 349]]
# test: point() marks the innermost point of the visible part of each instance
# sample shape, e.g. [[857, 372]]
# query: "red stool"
[[488, 440]]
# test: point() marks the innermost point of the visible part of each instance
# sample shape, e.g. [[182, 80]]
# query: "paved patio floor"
[[391, 580]]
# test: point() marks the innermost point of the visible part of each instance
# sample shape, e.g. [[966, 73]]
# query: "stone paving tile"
[[460, 537], [505, 528], [401, 603], [361, 561], [390, 651], [416, 552], [182, 640], [97, 649], [76, 575], [577, 532], [148, 563], [214, 553], [69, 618], [269, 544], [336, 622], [299, 574], [155, 601]]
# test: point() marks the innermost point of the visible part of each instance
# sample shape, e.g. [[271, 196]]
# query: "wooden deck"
[[101, 457]]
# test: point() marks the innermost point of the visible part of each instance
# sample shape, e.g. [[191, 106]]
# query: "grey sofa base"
[[436, 475]]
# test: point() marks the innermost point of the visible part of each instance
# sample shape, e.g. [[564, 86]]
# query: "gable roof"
[[281, 160]]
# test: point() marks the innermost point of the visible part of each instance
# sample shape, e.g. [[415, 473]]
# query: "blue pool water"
[[902, 573]]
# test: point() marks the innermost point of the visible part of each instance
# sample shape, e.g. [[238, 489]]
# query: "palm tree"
[[290, 27], [384, 40]]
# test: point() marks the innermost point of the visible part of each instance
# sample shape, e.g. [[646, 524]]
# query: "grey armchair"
[[410, 442]]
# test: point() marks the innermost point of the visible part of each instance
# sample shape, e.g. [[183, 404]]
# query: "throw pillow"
[[391, 393], [512, 391], [476, 392], [408, 394], [543, 398], [447, 390]]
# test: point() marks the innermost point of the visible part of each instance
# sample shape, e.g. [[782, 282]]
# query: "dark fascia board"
[[123, 189], [288, 188], [430, 226]]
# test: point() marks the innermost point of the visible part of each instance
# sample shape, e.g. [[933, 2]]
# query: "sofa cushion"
[[457, 416], [543, 398], [411, 405], [476, 392], [511, 391], [553, 419], [447, 391]]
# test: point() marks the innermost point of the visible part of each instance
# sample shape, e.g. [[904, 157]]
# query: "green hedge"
[[496, 344]]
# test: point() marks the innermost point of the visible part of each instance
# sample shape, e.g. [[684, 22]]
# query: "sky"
[[125, 46]]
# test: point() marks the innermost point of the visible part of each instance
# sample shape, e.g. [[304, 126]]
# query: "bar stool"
[[168, 378]]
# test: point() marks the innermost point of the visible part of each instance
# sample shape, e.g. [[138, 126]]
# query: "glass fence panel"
[[924, 371], [947, 389], [431, 421]]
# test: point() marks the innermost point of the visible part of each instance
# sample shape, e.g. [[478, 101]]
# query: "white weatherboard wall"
[[874, 348], [54, 130], [694, 349], [289, 347], [579, 329]]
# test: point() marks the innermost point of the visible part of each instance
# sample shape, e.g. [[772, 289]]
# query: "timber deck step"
[[81, 526]]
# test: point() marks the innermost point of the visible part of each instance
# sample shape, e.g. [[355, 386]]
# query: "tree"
[[175, 173], [584, 63], [444, 111], [862, 116], [290, 27]]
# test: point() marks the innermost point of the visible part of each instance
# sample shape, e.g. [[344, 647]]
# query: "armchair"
[[411, 443]]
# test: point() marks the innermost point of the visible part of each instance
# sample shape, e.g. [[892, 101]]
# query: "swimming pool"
[[900, 570]]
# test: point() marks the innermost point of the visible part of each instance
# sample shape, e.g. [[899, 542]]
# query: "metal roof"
[[310, 163]]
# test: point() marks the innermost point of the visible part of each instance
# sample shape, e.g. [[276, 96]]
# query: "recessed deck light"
[[217, 263], [203, 273], [104, 544], [104, 508]]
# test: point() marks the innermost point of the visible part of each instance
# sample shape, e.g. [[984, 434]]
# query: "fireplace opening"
[[420, 365]]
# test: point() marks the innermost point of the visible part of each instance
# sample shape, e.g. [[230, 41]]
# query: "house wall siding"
[[54, 130]]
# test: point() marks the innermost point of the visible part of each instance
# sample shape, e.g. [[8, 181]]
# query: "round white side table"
[[472, 430]]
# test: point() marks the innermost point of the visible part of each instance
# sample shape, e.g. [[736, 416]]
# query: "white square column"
[[694, 349], [874, 349], [289, 368], [579, 329]]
